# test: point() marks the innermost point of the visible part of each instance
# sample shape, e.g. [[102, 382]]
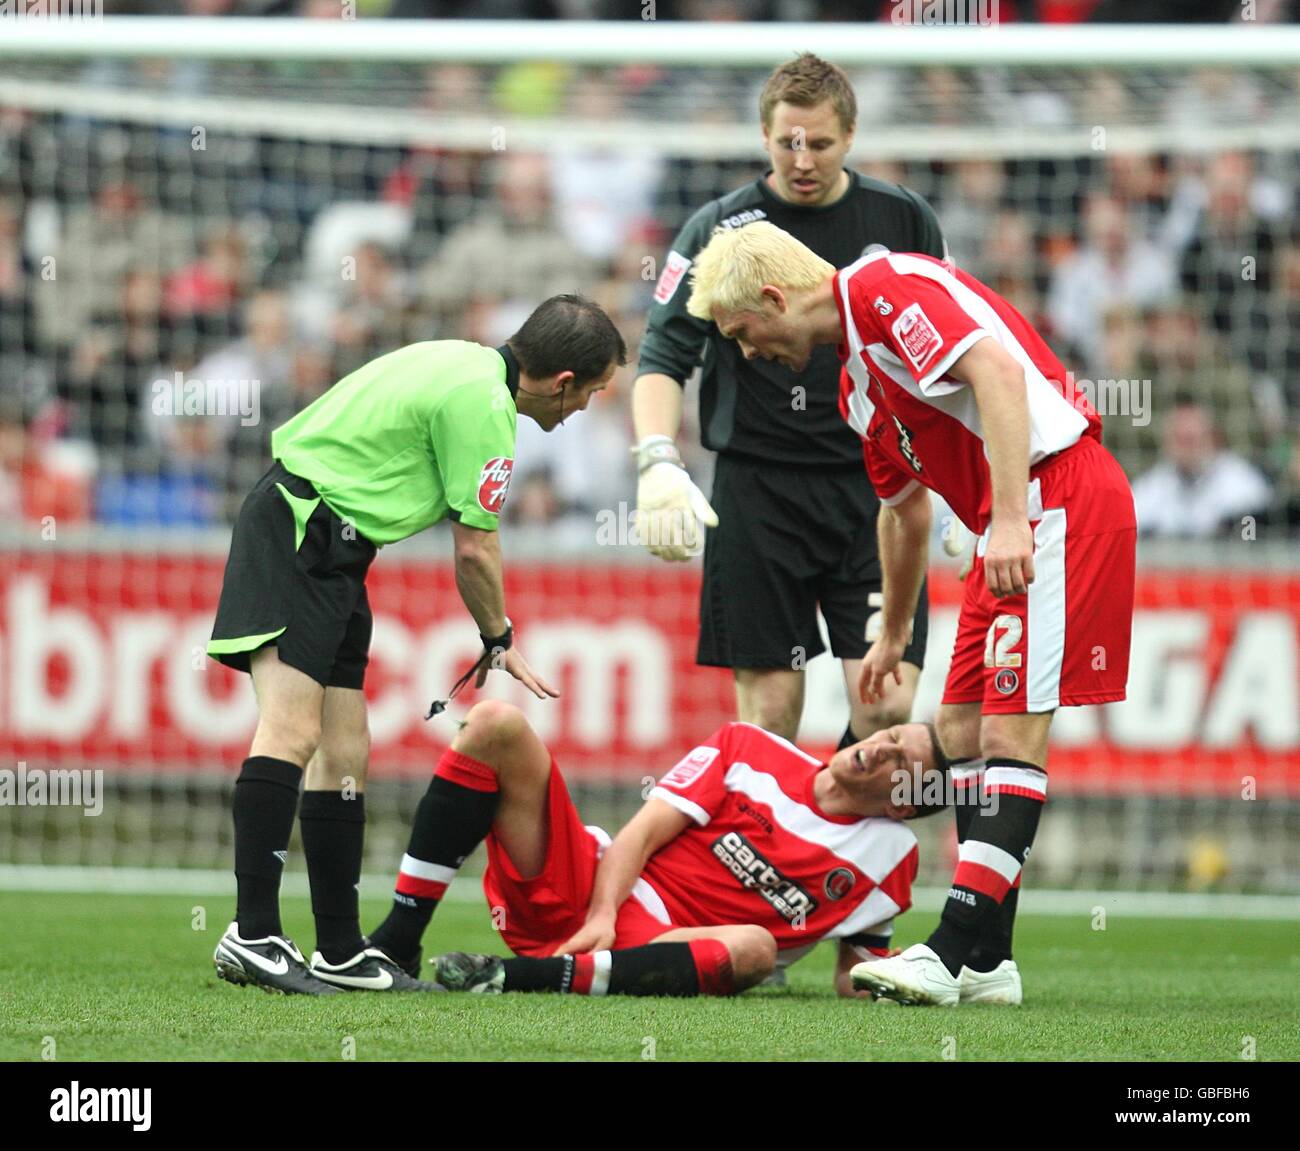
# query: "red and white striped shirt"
[[761, 851], [906, 320]]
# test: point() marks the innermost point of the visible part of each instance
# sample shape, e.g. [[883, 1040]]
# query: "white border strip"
[[648, 41], [469, 889]]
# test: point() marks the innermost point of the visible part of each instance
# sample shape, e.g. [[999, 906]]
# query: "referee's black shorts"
[[788, 542], [296, 578]]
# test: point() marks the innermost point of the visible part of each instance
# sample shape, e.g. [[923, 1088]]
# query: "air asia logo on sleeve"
[[674, 269], [492, 483], [919, 338], [691, 767]]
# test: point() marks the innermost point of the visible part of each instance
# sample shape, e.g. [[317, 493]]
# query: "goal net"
[[204, 224]]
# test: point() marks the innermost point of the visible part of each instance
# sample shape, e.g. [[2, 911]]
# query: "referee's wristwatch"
[[495, 645]]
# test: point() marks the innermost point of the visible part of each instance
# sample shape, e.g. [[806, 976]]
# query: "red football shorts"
[[1066, 642], [536, 915]]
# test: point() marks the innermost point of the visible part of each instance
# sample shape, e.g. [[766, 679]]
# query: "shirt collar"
[[512, 369]]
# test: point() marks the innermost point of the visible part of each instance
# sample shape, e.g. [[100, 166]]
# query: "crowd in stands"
[[134, 264]]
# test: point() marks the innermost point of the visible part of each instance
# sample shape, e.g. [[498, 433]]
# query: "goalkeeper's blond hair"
[[731, 269]]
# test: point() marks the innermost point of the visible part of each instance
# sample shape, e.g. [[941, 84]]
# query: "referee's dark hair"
[[568, 333]]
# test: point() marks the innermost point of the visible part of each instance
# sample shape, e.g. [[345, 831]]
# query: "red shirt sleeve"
[[917, 319], [697, 783]]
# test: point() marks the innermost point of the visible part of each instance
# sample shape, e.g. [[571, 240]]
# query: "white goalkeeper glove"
[[671, 512]]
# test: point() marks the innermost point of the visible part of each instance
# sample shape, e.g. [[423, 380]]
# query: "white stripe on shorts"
[[1046, 647]]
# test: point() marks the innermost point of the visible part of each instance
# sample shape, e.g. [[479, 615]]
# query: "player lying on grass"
[[422, 434], [746, 854], [951, 389]]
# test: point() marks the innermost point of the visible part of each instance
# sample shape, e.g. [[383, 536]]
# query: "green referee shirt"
[[425, 432]]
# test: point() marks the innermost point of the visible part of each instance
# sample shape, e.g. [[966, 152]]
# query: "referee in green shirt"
[[422, 434]]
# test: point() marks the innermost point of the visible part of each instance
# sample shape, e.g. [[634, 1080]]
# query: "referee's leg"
[[333, 821], [289, 711]]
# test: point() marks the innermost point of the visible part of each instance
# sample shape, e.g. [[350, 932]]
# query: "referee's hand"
[[512, 661], [671, 512]]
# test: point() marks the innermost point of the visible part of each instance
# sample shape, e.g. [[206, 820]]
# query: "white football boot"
[[1001, 985], [916, 977]]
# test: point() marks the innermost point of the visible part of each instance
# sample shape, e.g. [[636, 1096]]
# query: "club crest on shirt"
[[918, 337], [674, 269], [838, 883], [690, 767], [493, 481]]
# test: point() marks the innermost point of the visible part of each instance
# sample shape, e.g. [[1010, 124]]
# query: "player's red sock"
[[453, 818], [990, 858], [699, 967]]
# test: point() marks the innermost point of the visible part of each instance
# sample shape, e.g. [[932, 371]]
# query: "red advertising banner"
[[102, 661]]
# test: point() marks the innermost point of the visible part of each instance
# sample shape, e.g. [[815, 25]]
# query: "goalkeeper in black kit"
[[793, 516]]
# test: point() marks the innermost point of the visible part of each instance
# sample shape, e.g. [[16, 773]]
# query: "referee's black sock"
[[266, 797], [333, 837]]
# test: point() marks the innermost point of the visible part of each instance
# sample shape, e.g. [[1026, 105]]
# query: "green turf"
[[128, 977]]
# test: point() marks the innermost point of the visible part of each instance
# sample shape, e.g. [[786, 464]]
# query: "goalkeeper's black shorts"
[[790, 542], [295, 579]]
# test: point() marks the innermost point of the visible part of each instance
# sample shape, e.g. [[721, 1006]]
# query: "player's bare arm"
[[656, 824], [656, 406], [999, 386], [479, 581], [903, 533]]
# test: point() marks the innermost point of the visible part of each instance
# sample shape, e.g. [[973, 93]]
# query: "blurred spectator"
[[512, 252], [120, 229], [206, 293], [1198, 489], [1229, 260], [536, 503], [246, 392], [971, 193], [1111, 267], [40, 476], [601, 194], [360, 311], [124, 347], [17, 330]]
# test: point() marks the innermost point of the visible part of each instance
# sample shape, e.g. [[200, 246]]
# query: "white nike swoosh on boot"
[[280, 967], [380, 982]]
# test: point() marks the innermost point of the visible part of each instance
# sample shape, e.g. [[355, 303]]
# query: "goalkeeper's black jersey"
[[750, 408]]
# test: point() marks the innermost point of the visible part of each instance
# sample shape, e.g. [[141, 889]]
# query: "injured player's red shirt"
[[760, 850], [906, 320]]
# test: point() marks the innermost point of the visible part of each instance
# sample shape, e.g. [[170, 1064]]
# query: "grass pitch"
[[107, 977]]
